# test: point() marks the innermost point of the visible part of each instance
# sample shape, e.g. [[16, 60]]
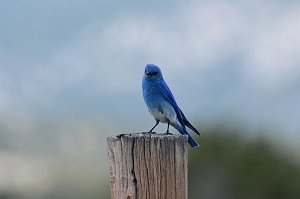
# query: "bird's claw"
[[150, 132]]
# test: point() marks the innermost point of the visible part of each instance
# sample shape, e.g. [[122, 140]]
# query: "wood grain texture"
[[148, 166]]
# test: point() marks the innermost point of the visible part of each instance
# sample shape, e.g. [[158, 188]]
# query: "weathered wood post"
[[148, 166]]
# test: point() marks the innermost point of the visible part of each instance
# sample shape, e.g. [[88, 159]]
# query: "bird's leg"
[[154, 126], [168, 133], [168, 128]]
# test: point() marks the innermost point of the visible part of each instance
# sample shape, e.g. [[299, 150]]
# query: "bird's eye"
[[151, 73]]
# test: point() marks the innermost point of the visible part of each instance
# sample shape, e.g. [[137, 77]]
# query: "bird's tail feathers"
[[191, 141], [188, 124]]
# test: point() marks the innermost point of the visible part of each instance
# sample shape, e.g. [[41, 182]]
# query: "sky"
[[219, 58], [68, 66]]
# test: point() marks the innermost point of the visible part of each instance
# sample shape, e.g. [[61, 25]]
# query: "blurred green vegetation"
[[230, 166]]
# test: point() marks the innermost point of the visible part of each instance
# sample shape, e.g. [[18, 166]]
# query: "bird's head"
[[152, 72]]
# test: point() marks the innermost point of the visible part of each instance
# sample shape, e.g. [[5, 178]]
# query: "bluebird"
[[161, 103]]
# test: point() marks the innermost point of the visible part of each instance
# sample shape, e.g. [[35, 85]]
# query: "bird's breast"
[[159, 107], [163, 112]]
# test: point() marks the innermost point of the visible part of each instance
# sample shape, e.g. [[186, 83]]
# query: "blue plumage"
[[161, 103]]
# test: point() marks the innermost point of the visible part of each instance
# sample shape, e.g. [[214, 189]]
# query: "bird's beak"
[[147, 73]]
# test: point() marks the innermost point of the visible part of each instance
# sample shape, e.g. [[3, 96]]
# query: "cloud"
[[241, 47], [272, 62]]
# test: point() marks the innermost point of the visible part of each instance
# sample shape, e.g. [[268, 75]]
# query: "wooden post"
[[148, 166]]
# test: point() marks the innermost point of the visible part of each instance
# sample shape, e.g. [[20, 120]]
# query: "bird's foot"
[[168, 133], [120, 135], [150, 132]]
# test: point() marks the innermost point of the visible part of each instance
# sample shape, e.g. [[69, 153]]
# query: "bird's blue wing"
[[188, 124], [181, 117], [169, 96]]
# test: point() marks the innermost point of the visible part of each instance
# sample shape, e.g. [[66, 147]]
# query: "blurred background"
[[70, 75]]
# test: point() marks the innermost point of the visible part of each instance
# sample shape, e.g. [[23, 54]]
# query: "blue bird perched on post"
[[161, 103]]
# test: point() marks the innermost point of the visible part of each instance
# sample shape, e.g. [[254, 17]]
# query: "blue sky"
[[220, 58]]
